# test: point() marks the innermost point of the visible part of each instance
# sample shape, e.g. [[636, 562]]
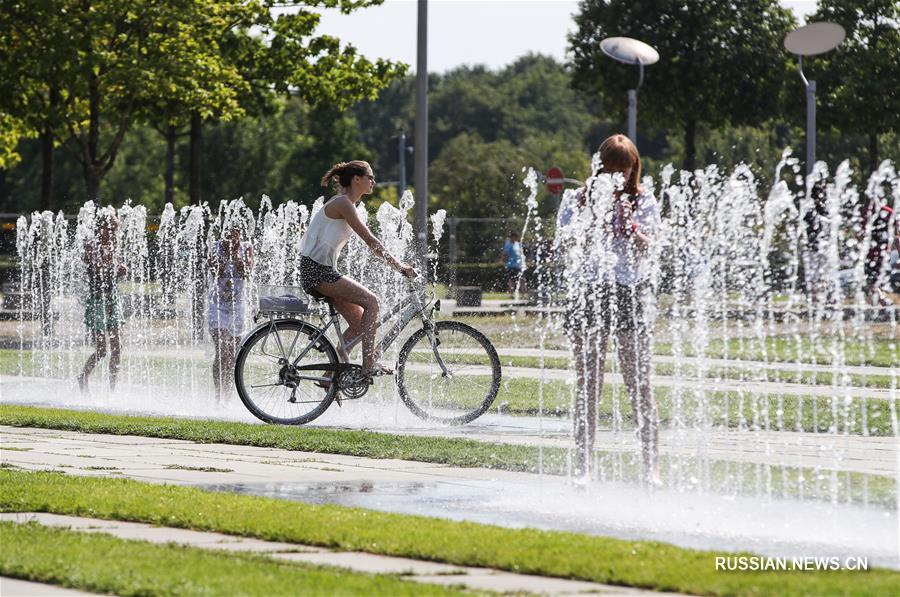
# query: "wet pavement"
[[824, 452], [771, 526]]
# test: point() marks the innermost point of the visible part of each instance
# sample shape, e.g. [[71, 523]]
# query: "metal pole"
[[421, 163], [632, 115], [452, 290], [810, 126], [401, 152]]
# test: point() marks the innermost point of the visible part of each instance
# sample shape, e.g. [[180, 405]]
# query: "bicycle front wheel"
[[267, 379], [450, 375]]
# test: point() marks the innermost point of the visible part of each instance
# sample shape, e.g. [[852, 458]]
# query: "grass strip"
[[725, 476], [646, 564], [104, 564], [718, 408], [748, 372]]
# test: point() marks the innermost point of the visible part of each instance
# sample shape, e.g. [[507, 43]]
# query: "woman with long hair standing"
[[609, 272], [326, 236]]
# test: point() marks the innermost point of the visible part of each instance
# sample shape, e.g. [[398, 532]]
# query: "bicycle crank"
[[352, 383]]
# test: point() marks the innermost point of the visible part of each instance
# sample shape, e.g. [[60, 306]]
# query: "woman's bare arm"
[[347, 210]]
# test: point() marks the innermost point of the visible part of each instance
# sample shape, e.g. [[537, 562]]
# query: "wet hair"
[[618, 153], [342, 173], [513, 233]]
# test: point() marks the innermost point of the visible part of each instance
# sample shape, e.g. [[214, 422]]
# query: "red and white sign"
[[555, 180]]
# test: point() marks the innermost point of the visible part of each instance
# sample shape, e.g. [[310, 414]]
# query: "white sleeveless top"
[[325, 238]]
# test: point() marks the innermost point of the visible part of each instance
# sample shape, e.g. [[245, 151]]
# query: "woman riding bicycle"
[[326, 236]]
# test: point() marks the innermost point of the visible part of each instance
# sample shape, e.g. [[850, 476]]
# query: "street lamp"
[[810, 40], [631, 51]]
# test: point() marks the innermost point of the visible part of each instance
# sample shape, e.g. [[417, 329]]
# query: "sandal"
[[377, 370]]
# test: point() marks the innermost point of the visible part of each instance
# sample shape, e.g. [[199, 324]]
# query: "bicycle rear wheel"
[[269, 385], [465, 390]]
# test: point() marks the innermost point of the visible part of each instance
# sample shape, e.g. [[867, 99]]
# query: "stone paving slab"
[[14, 587], [415, 570]]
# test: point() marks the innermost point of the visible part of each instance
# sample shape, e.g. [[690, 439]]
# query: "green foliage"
[[721, 63], [486, 126], [86, 70], [104, 564], [12, 130], [857, 82]]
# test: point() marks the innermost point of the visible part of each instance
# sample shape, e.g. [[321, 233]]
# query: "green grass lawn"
[[104, 564], [730, 409], [721, 475], [647, 564], [878, 352]]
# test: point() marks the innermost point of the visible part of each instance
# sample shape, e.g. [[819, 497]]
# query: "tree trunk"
[[170, 163], [47, 154], [873, 152], [91, 182], [196, 137], [690, 147], [46, 168]]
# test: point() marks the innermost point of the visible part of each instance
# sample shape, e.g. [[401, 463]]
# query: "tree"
[[280, 56], [721, 62], [89, 67], [857, 82], [12, 130], [30, 96]]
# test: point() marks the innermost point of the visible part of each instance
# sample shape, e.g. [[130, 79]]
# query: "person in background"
[[895, 257], [230, 262], [815, 256], [514, 263], [102, 312], [615, 298], [879, 250]]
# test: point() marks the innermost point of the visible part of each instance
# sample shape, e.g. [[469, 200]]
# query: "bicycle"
[[446, 372]]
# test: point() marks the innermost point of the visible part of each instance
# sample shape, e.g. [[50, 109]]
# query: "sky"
[[490, 32]]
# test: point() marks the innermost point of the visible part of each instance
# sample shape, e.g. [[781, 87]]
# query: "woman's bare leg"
[[350, 291], [589, 349], [353, 314], [115, 357], [216, 337], [634, 357], [228, 348], [98, 338]]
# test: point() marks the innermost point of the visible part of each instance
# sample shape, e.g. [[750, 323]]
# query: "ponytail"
[[342, 173]]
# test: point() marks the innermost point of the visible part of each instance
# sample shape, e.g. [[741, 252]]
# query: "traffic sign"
[[555, 180]]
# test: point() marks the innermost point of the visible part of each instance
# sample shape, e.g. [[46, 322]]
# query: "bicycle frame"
[[411, 306]]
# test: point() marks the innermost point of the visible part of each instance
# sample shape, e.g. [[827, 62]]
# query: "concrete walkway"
[[481, 579], [694, 519], [13, 587]]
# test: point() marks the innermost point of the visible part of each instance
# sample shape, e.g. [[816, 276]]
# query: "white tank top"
[[325, 238]]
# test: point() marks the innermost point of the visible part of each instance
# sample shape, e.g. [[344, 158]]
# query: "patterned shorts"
[[313, 273]]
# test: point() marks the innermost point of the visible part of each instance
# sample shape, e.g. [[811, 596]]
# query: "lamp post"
[[631, 51], [810, 40], [421, 139]]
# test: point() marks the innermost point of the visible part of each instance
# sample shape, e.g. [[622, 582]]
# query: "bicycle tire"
[[303, 329], [434, 411]]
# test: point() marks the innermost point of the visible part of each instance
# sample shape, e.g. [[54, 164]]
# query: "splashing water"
[[770, 380]]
